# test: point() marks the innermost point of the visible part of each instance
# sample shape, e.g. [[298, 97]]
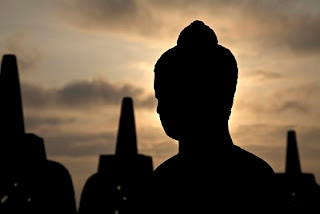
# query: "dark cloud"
[[120, 16], [294, 105], [96, 92], [277, 25], [34, 96], [80, 94], [304, 34], [80, 144], [53, 125], [269, 24], [34, 122]]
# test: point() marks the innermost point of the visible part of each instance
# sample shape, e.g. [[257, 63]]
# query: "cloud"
[[83, 94], [34, 96], [298, 99], [120, 16], [34, 122], [269, 141], [68, 132], [264, 75], [304, 34], [80, 144], [269, 24], [295, 105], [20, 44], [96, 92], [260, 134]]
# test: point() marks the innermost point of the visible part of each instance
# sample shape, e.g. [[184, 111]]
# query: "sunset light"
[[77, 60]]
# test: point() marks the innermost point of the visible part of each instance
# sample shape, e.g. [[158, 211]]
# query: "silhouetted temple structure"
[[29, 183], [117, 186], [298, 192]]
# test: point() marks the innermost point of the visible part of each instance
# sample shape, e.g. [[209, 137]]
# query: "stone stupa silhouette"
[[29, 182], [117, 185], [297, 191]]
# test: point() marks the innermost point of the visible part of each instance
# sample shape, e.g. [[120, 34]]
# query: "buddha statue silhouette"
[[194, 83]]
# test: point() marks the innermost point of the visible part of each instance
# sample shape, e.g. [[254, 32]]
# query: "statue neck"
[[206, 141]]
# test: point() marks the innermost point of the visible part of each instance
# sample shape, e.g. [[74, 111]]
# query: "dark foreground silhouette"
[[118, 186], [29, 182], [194, 84], [298, 192]]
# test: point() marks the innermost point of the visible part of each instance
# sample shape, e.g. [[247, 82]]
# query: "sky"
[[78, 58]]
